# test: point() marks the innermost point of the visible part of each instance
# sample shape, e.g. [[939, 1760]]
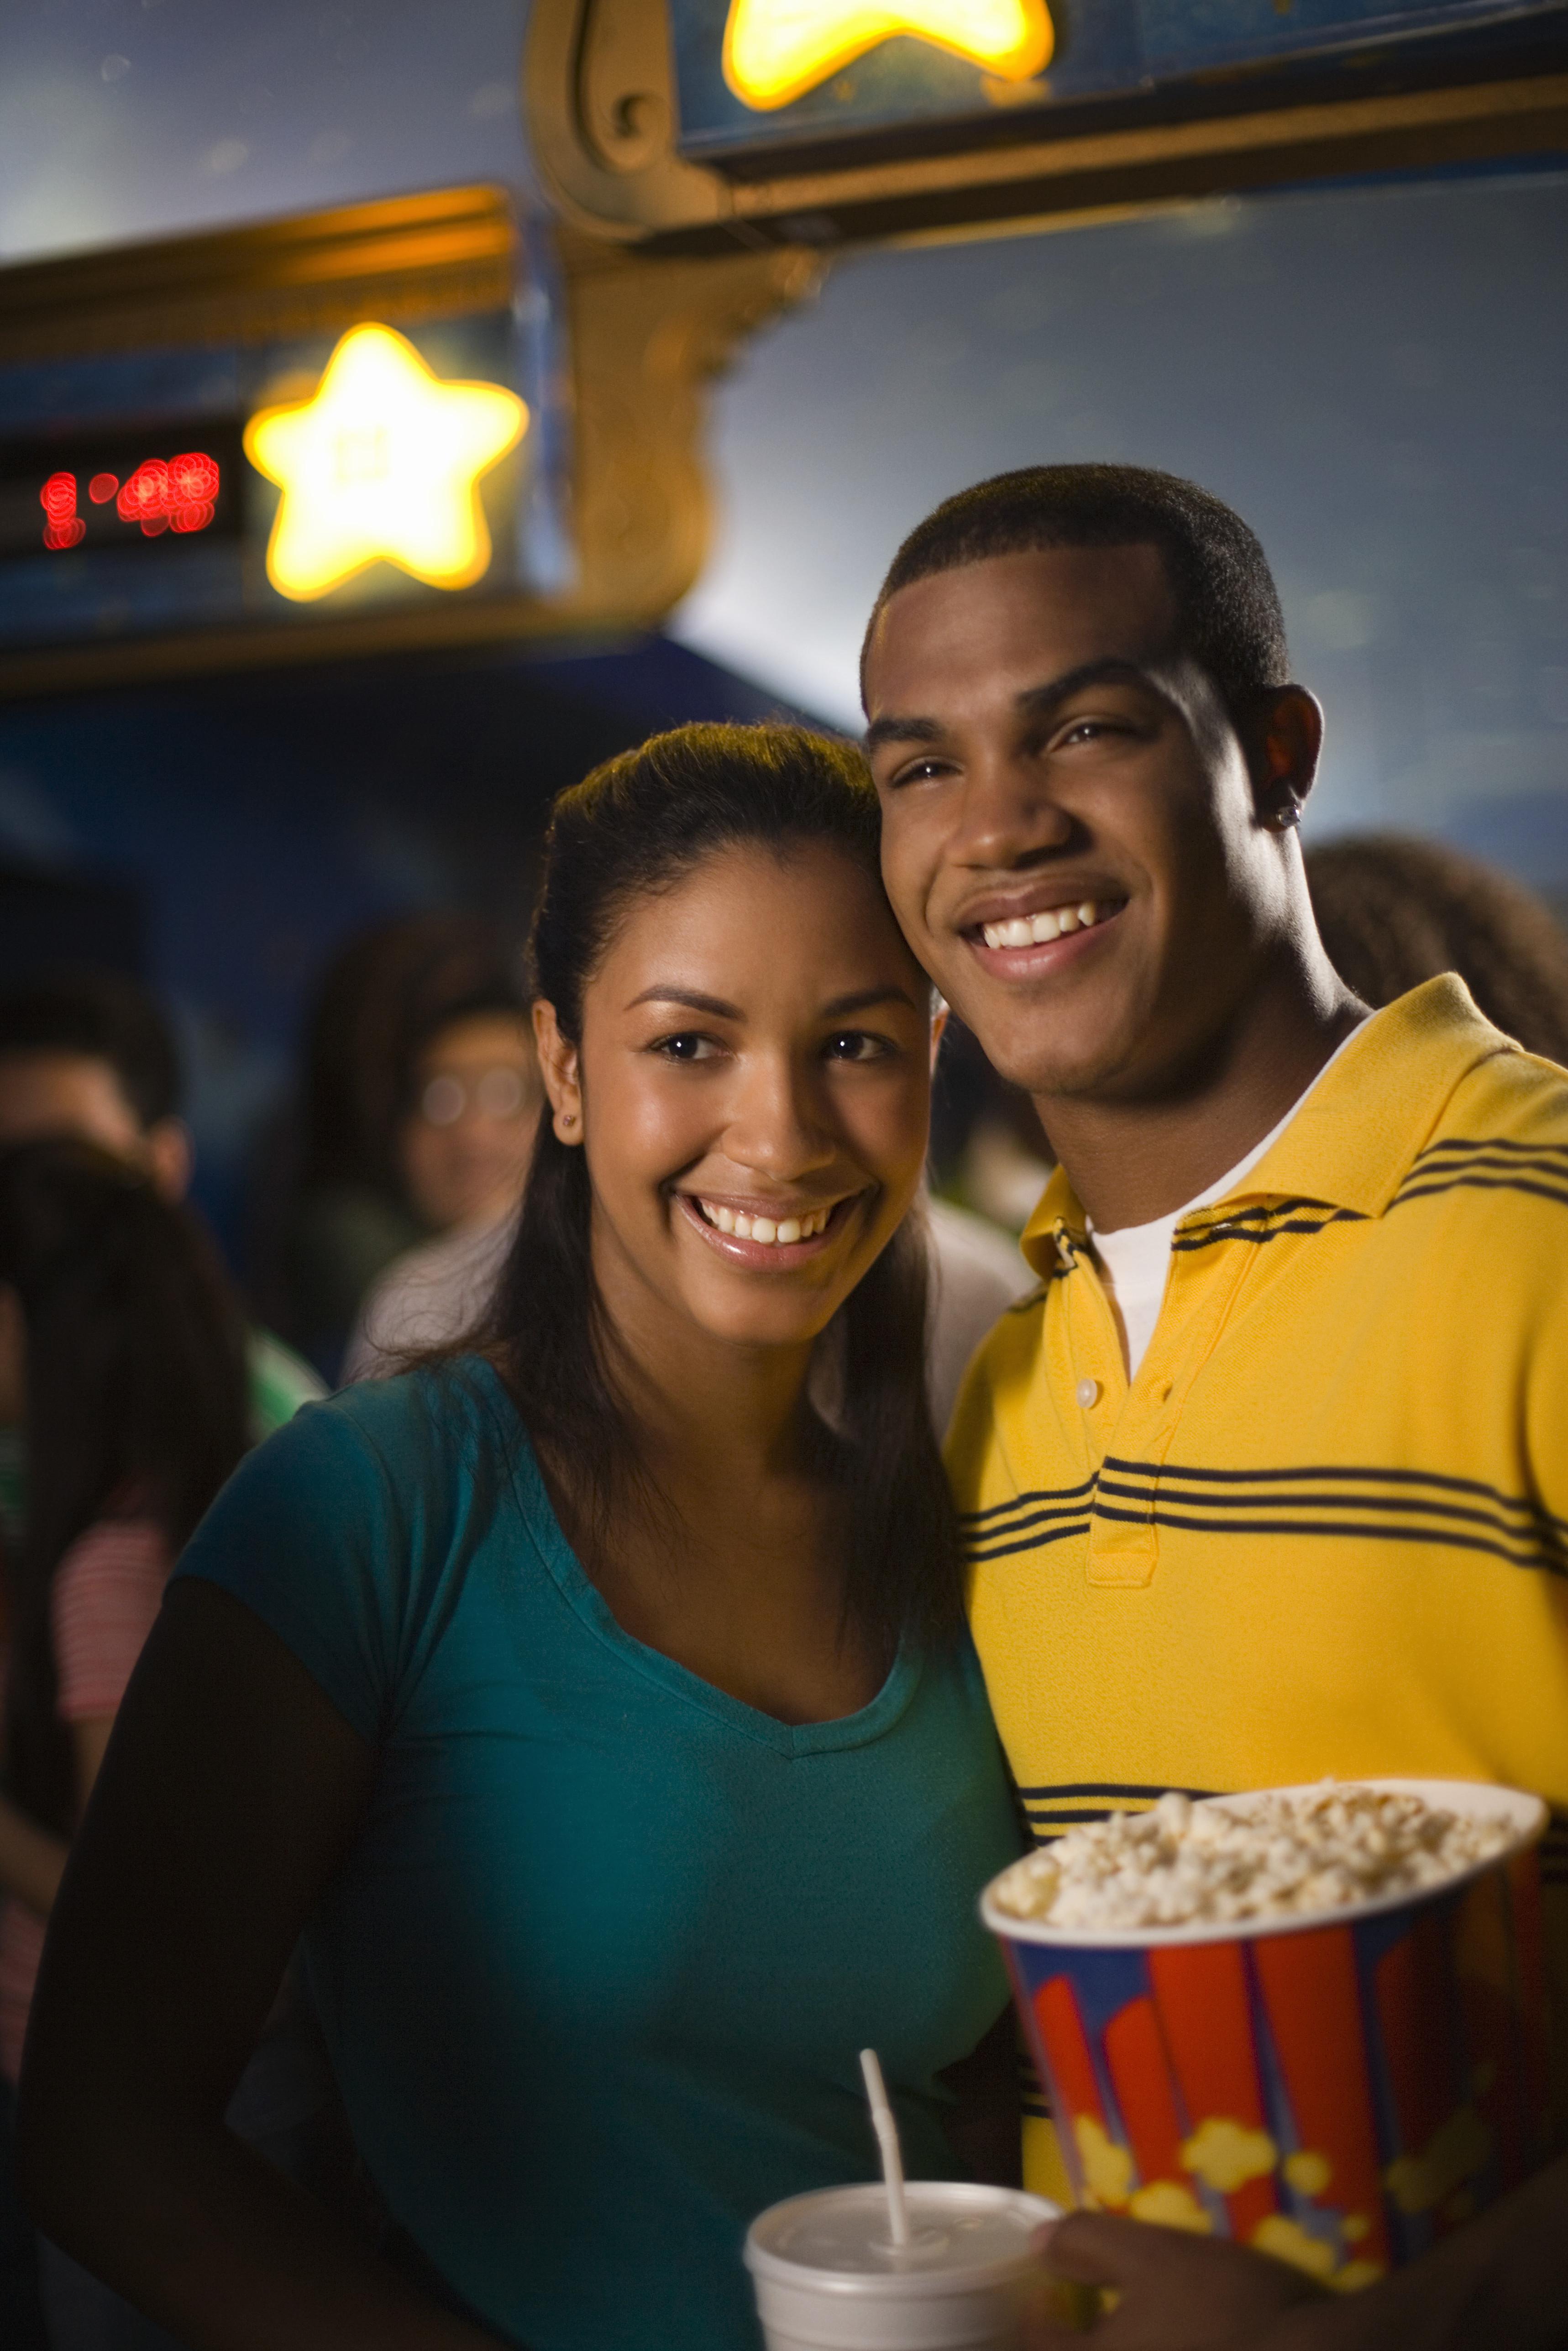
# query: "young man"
[[1270, 1480], [89, 1053]]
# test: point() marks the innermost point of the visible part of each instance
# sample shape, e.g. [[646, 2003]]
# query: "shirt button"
[[1088, 1392]]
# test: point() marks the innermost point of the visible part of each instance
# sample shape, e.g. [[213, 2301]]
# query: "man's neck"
[[1133, 1159]]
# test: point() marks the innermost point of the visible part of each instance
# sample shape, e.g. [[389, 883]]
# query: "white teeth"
[[1039, 930], [764, 1229]]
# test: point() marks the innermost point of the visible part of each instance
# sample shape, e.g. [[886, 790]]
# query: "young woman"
[[122, 1360], [597, 1701]]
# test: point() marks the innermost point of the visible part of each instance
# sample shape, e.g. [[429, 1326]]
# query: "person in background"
[[1393, 911], [123, 1353], [89, 1053], [419, 1087], [464, 1145]]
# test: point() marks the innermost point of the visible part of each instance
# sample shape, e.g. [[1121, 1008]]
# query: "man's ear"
[[171, 1158], [1283, 744], [558, 1068]]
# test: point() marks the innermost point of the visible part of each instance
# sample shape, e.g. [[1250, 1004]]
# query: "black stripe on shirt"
[[1439, 1181], [1262, 1224], [1338, 1474], [1413, 1505], [1402, 1505], [1022, 1502], [1460, 1145]]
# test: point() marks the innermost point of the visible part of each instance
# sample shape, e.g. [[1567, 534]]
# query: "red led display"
[[177, 494]]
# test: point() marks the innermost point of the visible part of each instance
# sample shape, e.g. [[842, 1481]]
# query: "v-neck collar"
[[581, 1596]]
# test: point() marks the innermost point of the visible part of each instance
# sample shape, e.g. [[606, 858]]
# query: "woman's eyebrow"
[[692, 998], [860, 1001], [863, 1000]]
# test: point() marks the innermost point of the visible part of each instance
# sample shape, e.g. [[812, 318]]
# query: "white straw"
[[886, 2130]]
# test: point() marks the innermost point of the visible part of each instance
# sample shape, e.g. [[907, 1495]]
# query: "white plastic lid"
[[962, 2235]]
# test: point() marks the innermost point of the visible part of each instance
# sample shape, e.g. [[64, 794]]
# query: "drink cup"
[[1339, 2090], [828, 2276]]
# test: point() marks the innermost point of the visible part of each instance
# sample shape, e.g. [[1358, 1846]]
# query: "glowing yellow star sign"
[[381, 463], [775, 50]]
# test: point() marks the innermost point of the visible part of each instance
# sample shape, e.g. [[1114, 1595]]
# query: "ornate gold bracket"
[[601, 112], [645, 337]]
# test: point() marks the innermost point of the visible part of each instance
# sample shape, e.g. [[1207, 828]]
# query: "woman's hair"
[[636, 827], [387, 996], [136, 1401], [1393, 912]]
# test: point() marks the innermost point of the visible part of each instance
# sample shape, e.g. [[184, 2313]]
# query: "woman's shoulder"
[[418, 1421]]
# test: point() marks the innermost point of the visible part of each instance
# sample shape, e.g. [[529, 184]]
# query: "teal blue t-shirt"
[[596, 1975]]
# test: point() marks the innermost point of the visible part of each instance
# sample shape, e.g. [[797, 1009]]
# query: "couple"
[[599, 1702]]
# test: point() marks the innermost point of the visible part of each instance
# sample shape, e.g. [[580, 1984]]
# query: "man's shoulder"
[[1499, 1146]]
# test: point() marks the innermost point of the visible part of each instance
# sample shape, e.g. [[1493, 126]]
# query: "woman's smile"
[[771, 1236]]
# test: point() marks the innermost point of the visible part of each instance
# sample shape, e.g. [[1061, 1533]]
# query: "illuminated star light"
[[381, 464], [776, 51]]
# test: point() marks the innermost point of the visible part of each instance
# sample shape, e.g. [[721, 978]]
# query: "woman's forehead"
[[771, 917]]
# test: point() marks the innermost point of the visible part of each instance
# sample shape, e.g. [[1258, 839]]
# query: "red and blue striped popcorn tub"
[[1339, 2090]]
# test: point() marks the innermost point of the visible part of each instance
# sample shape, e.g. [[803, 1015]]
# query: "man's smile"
[[1020, 941]]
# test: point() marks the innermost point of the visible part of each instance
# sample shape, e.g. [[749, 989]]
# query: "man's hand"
[[1175, 2292]]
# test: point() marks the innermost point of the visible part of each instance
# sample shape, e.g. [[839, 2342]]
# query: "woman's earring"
[[569, 1118], [1286, 812]]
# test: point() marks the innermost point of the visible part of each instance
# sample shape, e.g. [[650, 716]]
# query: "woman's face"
[[465, 1149], [753, 1091]]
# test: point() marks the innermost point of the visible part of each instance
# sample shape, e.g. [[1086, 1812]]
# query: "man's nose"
[[1008, 814]]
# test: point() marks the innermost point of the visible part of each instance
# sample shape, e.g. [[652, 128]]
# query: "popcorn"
[[1269, 1857]]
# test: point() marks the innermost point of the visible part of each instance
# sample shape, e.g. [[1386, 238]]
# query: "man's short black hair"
[[1229, 616], [103, 1017]]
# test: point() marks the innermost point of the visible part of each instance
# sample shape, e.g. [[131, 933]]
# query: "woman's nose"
[[776, 1125]]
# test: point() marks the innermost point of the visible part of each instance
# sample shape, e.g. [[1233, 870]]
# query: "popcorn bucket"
[[1339, 2090]]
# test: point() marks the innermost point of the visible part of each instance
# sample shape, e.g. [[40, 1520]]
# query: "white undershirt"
[[1134, 1262]]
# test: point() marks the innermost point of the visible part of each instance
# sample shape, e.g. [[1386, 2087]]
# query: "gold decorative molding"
[[648, 337], [600, 109], [452, 250], [645, 335]]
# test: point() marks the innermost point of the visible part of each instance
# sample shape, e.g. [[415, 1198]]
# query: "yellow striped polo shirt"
[[1325, 1529]]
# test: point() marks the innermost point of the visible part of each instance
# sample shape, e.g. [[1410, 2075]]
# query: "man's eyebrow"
[[900, 730], [1116, 669], [1039, 700]]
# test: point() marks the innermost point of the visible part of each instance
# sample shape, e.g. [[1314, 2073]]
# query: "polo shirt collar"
[[1353, 1141]]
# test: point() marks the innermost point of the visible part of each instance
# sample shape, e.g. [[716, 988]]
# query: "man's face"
[[1070, 838], [46, 1093]]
